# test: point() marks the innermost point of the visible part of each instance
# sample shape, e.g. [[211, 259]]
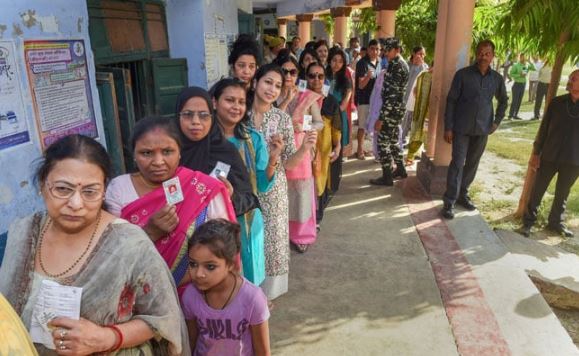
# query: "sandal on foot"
[[302, 248]]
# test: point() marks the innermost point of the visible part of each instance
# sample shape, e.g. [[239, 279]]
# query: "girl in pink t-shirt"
[[226, 314]]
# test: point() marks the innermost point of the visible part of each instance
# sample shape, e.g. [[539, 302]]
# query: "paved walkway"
[[388, 277]]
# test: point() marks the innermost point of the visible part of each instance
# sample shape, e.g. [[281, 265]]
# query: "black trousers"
[[542, 89], [566, 177], [466, 154], [518, 92]]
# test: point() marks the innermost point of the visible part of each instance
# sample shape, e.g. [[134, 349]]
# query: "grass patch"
[[500, 143], [499, 204], [475, 189]]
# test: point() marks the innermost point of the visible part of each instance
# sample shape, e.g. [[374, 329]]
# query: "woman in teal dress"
[[341, 90], [229, 100]]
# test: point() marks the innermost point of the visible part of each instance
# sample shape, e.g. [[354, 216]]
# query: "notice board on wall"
[[217, 49], [60, 88], [13, 123]]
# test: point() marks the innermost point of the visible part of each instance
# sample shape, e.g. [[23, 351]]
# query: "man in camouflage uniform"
[[391, 114]]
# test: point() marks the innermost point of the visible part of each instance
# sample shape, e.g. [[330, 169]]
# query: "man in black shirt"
[[367, 69], [469, 119], [556, 151]]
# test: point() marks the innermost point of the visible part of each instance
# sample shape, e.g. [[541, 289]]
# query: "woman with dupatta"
[[301, 191], [422, 99], [229, 100], [203, 147], [128, 304], [141, 199], [275, 124], [327, 163]]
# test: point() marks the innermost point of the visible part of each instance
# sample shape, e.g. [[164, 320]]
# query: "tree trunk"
[[557, 68], [553, 87]]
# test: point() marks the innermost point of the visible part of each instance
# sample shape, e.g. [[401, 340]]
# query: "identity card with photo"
[[221, 170], [326, 90], [271, 130], [307, 125], [173, 191], [302, 85]]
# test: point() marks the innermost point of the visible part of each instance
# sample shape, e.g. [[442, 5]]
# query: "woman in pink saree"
[[141, 199], [300, 104]]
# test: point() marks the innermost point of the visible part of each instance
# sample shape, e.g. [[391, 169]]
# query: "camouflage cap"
[[391, 43]]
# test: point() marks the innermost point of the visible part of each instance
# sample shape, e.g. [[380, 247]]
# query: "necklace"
[[154, 186], [58, 275], [228, 298]]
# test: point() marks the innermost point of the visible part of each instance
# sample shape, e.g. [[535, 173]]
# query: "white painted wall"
[[36, 19]]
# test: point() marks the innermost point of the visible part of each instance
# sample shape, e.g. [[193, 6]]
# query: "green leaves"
[[543, 27], [416, 24]]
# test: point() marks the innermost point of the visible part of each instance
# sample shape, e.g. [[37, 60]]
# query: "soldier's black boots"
[[400, 172], [386, 178]]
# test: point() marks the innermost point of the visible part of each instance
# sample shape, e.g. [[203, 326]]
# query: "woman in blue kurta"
[[229, 101]]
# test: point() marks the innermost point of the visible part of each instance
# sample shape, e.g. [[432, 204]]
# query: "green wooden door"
[[246, 22], [169, 78], [109, 110], [126, 109]]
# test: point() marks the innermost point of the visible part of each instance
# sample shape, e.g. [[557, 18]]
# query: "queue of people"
[[186, 254]]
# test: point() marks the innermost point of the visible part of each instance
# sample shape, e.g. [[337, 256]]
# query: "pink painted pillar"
[[340, 15], [386, 16], [452, 52], [305, 26], [387, 24]]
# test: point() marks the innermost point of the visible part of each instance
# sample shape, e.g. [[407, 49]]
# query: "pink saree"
[[198, 191], [301, 194]]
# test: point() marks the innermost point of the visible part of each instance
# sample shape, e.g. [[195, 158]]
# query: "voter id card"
[[221, 170], [270, 130], [173, 191], [302, 85], [307, 124], [326, 90]]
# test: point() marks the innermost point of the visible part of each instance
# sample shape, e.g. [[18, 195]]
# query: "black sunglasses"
[[320, 76], [292, 72]]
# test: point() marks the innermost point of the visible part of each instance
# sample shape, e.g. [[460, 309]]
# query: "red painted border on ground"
[[475, 328]]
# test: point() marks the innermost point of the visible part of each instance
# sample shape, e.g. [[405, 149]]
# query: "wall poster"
[[216, 56], [13, 126], [60, 86]]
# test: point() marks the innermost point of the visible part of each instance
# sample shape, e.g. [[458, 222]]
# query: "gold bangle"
[[274, 165]]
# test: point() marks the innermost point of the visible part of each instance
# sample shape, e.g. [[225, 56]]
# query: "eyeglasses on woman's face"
[[65, 191], [189, 115], [314, 76], [292, 72]]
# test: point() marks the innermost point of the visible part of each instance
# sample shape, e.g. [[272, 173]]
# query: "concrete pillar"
[[387, 23], [305, 26], [386, 16], [340, 15], [282, 28], [452, 52]]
